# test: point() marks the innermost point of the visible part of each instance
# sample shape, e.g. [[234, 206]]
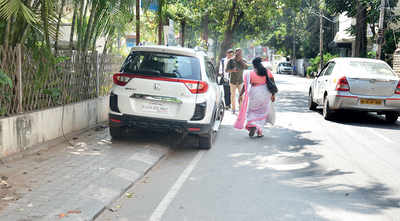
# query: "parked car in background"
[[167, 88], [359, 84], [284, 68]]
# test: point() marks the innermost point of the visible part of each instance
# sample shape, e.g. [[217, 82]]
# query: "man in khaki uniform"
[[235, 67]]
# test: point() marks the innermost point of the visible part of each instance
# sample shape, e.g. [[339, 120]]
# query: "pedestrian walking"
[[225, 77], [235, 67], [257, 106]]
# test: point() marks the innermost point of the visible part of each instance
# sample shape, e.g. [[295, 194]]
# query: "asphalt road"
[[305, 168]]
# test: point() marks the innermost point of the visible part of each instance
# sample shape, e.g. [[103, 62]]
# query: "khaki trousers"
[[234, 88]]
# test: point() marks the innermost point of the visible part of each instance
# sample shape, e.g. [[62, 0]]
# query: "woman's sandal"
[[252, 131], [259, 134]]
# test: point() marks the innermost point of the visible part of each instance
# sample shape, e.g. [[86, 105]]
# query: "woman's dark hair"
[[260, 69]]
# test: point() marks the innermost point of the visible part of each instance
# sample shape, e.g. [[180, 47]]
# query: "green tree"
[[366, 12]]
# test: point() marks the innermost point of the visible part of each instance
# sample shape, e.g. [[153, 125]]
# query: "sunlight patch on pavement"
[[339, 214], [287, 167], [235, 155]]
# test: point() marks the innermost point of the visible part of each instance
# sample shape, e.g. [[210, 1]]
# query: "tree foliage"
[[366, 13]]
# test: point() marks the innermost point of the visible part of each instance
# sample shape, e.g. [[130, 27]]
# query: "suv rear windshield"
[[162, 65]]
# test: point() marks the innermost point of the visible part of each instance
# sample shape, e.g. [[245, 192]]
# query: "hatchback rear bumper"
[[346, 100], [156, 124]]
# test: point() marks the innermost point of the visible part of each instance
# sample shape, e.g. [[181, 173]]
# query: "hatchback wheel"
[[326, 111], [311, 104], [391, 117]]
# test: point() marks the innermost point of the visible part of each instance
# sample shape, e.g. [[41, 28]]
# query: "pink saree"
[[255, 107]]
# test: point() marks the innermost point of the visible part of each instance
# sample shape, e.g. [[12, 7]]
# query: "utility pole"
[[379, 40], [294, 48], [137, 22], [321, 36]]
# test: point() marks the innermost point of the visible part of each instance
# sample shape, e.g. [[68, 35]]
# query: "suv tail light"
[[196, 87], [121, 79], [397, 91], [343, 85]]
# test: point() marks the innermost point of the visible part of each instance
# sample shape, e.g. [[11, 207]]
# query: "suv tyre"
[[116, 132]]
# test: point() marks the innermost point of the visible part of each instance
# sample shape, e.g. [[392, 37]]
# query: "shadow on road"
[[309, 190], [361, 119], [292, 101]]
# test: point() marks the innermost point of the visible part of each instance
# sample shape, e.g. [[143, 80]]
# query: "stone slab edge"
[[126, 188]]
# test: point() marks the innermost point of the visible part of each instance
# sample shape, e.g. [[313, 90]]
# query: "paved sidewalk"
[[76, 182]]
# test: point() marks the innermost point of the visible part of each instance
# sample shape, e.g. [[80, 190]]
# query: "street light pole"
[[380, 38], [321, 36]]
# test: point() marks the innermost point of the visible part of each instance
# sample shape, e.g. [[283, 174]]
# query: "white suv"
[[167, 88]]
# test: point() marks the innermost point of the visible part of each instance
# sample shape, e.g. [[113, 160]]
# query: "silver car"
[[285, 68], [360, 84]]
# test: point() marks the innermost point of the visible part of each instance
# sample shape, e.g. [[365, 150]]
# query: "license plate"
[[158, 108], [371, 101]]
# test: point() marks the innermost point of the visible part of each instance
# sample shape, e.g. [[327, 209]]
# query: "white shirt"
[[222, 68]]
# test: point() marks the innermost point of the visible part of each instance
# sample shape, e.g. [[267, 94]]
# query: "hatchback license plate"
[[371, 101], [155, 108]]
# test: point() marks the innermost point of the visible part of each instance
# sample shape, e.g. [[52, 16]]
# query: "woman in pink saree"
[[257, 101]]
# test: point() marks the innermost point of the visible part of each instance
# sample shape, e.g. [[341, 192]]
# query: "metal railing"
[[30, 81]]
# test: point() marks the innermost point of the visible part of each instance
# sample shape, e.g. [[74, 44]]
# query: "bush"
[[315, 62]]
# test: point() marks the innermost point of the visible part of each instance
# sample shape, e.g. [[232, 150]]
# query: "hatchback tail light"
[[343, 85], [397, 91], [121, 79]]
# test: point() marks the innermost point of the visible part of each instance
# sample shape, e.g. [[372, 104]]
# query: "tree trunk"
[[93, 13], [183, 26], [226, 44], [44, 14], [204, 35], [25, 34], [231, 25], [361, 31], [58, 26], [137, 22], [108, 39], [7, 34], [71, 36], [160, 22], [81, 17]]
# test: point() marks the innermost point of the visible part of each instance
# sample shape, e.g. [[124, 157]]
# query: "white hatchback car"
[[167, 88], [360, 84]]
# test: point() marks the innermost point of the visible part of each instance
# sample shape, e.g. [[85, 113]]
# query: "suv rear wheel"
[[116, 133], [206, 140]]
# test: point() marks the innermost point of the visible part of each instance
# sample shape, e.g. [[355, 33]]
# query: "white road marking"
[[166, 201], [380, 135]]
